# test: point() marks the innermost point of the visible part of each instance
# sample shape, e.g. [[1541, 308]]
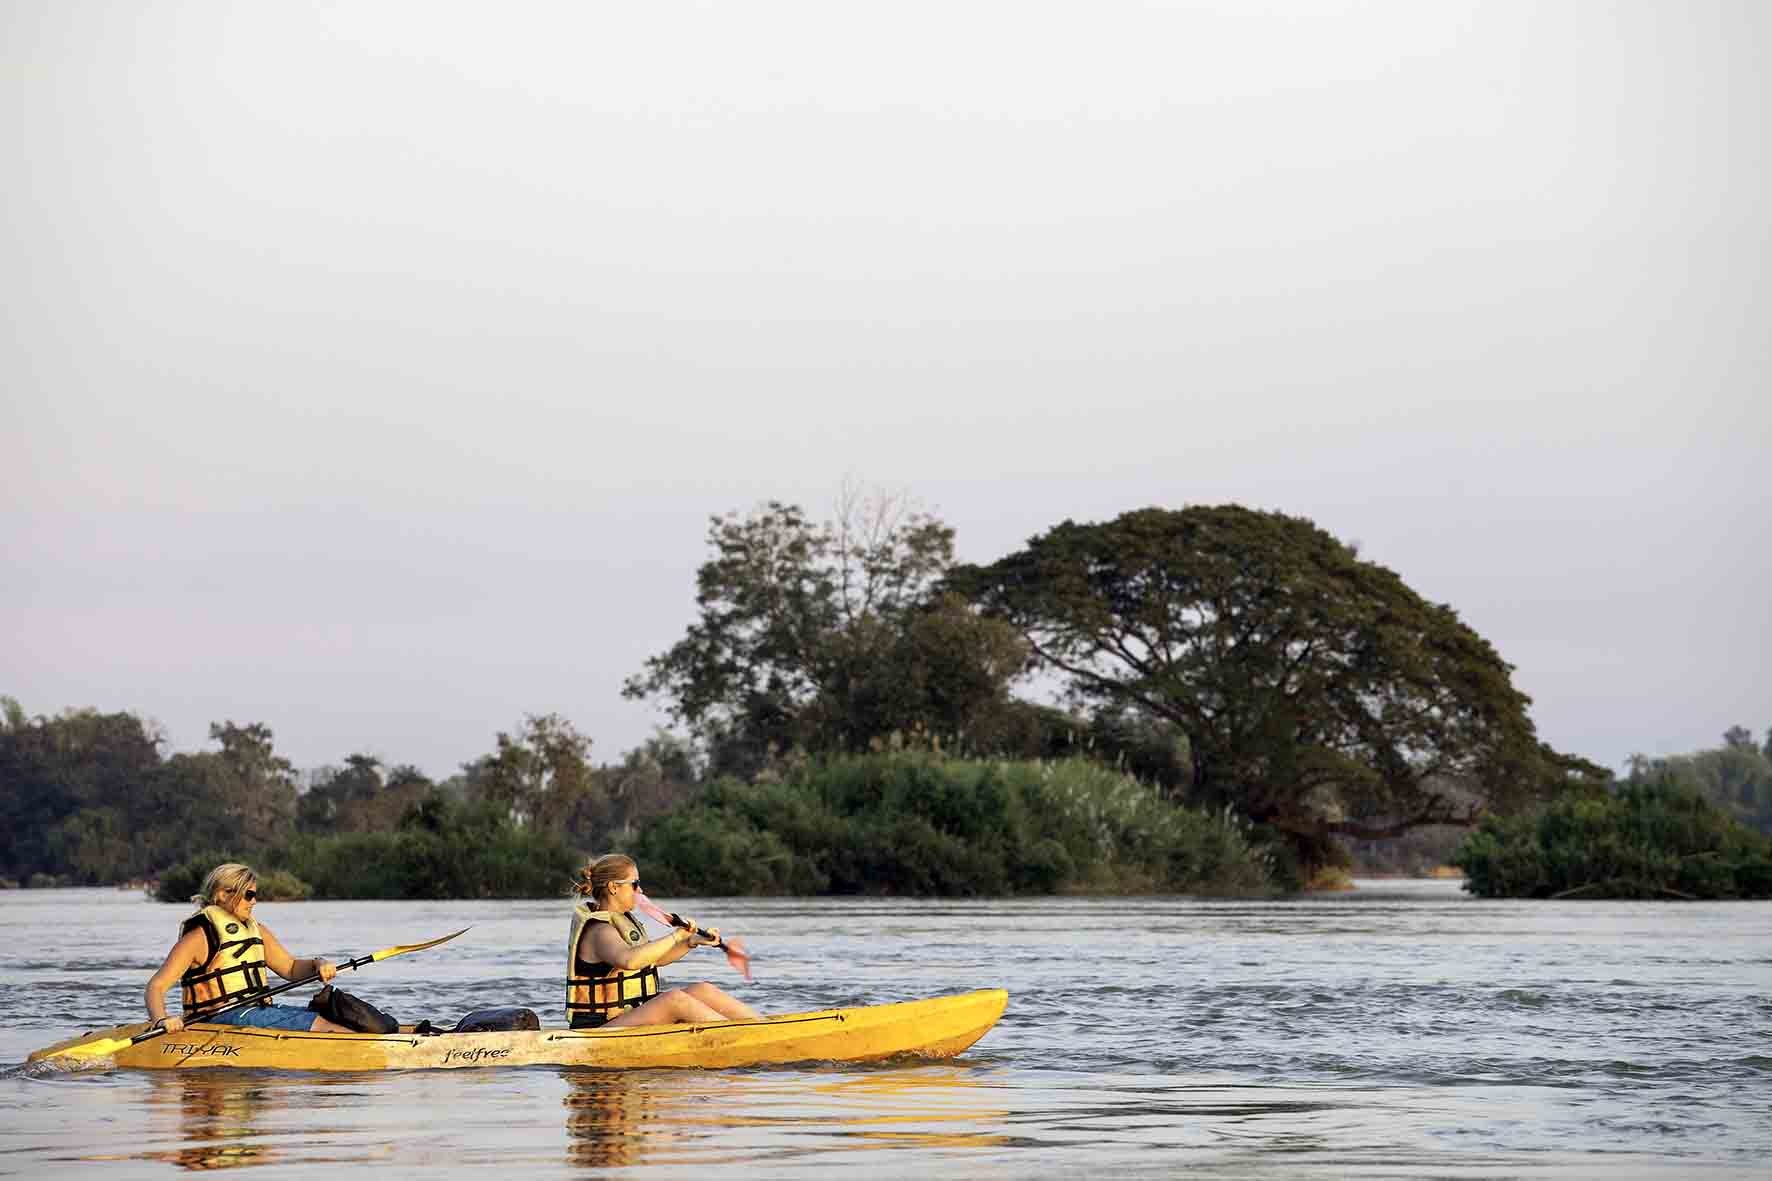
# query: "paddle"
[[736, 955], [104, 1047]]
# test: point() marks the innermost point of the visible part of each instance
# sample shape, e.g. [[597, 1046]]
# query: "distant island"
[[1253, 710]]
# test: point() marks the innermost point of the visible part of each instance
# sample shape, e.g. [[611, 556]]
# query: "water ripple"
[[1414, 1032]]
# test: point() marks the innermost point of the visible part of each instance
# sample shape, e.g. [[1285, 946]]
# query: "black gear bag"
[[337, 1005]]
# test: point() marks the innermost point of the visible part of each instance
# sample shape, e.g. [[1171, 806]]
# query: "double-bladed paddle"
[[736, 955], [105, 1047]]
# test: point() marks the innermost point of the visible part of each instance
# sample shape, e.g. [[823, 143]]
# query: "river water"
[[1400, 1030]]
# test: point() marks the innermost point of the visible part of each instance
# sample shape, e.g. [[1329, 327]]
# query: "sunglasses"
[[250, 895], [634, 882]]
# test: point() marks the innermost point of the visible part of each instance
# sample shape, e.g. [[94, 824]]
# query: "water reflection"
[[608, 1117], [217, 1116], [618, 1120], [925, 1107]]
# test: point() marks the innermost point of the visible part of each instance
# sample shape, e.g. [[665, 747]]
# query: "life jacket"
[[235, 968], [596, 991]]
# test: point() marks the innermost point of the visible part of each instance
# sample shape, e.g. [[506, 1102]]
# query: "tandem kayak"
[[939, 1027]]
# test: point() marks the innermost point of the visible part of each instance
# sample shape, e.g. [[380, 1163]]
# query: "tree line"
[[98, 805], [1736, 775], [1238, 661], [92, 800], [1228, 662]]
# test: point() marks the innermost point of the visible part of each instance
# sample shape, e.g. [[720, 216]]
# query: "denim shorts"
[[266, 1017]]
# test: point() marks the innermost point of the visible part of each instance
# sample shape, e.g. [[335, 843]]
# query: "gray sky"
[[370, 370]]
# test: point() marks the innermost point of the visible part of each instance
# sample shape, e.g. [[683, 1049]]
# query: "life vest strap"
[[630, 989], [247, 968]]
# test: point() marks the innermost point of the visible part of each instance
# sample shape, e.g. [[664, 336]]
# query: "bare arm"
[[609, 948], [287, 966], [189, 952]]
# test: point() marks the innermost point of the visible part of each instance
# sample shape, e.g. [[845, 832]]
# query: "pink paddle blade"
[[736, 955], [650, 909]]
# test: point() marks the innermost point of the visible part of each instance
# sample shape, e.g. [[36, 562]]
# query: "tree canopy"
[[1317, 692], [828, 636], [1736, 776], [90, 800]]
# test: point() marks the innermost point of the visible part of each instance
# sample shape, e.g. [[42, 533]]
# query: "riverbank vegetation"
[[1230, 700], [890, 822], [94, 802], [440, 849], [1253, 662], [920, 823], [1652, 838]]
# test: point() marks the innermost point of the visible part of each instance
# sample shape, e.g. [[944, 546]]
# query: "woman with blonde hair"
[[220, 959], [612, 968]]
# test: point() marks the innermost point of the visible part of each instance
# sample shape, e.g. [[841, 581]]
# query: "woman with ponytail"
[[612, 968]]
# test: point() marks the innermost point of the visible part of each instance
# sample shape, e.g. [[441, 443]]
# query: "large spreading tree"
[[1318, 693]]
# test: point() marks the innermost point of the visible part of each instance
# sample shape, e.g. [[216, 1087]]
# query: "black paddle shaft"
[[678, 920], [156, 1030]]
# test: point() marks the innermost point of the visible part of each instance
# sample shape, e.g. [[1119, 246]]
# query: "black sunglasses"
[[250, 895]]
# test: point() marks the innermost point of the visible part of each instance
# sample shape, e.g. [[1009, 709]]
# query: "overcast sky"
[[371, 369]]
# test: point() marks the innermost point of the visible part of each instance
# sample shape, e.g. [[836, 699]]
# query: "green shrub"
[[918, 823], [442, 850], [1656, 839], [182, 881], [279, 885]]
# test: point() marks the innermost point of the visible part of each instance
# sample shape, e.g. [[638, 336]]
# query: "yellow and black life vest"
[[596, 991], [235, 969]]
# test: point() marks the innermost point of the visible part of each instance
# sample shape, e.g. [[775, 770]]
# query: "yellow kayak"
[[939, 1027]]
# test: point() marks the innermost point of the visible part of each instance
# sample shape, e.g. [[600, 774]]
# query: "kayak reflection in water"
[[221, 957], [612, 968], [611, 1120]]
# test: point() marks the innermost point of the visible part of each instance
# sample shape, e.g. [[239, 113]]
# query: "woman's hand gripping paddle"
[[736, 955], [105, 1047]]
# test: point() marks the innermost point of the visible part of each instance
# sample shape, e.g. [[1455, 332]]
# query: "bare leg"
[[322, 1025], [721, 1002], [676, 1007]]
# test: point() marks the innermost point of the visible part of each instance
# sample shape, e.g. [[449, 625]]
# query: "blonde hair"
[[228, 878], [596, 874]]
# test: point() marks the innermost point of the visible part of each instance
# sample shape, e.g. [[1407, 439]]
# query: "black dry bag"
[[497, 1021], [335, 1004]]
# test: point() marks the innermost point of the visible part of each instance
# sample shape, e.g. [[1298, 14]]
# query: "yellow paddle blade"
[[401, 949], [102, 1047]]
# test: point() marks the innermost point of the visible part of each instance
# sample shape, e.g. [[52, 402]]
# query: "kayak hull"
[[939, 1027]]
